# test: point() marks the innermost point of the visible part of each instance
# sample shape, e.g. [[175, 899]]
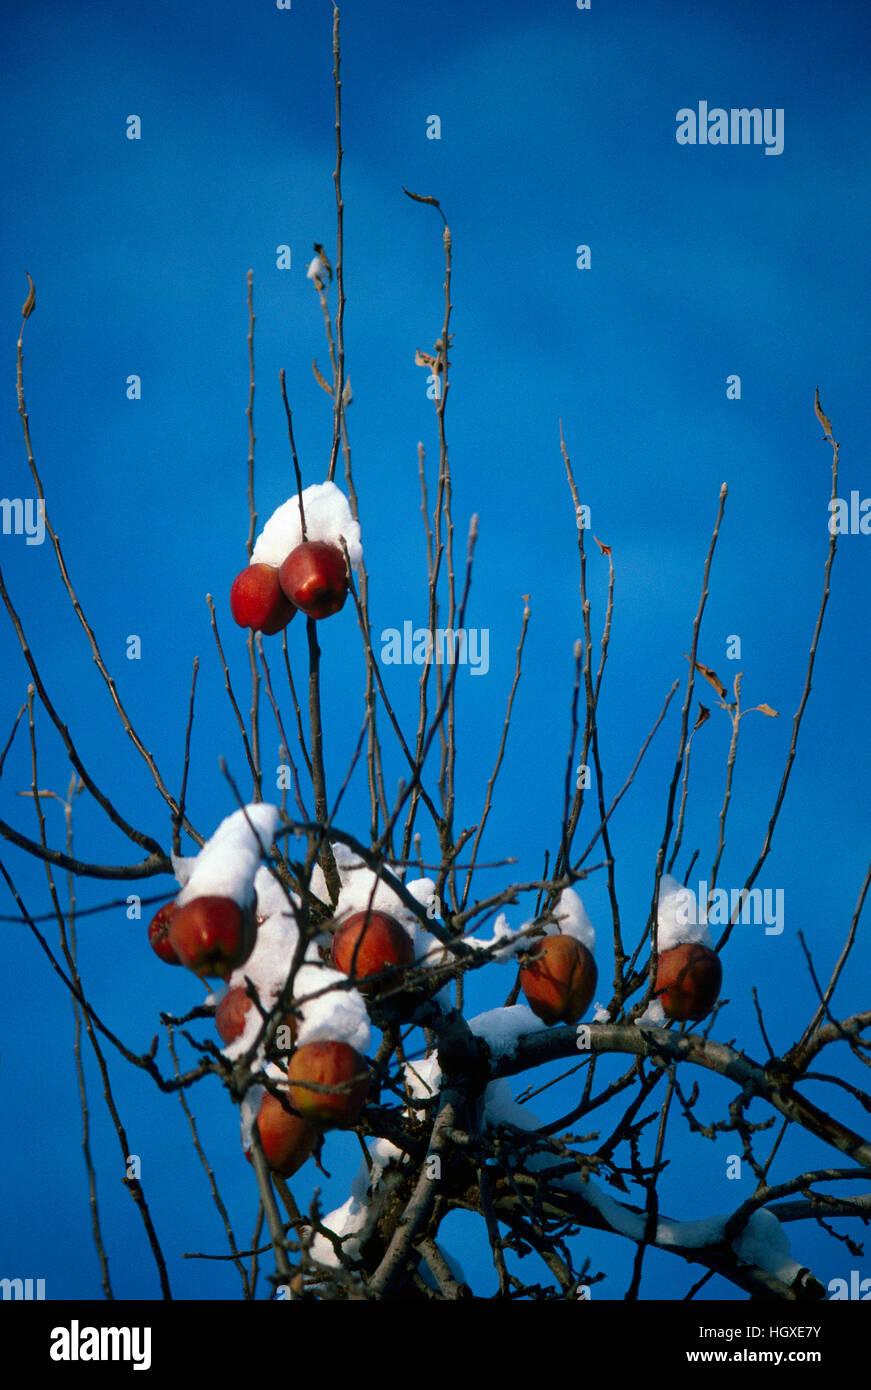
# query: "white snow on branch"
[[653, 1014], [249, 1110], [273, 900], [352, 1215], [331, 1010], [505, 943], [227, 863], [502, 1030], [327, 518], [423, 1077], [677, 916], [317, 270], [345, 1222], [572, 920], [269, 963], [345, 860], [764, 1243]]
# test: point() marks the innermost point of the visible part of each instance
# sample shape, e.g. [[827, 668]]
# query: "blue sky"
[[557, 129]]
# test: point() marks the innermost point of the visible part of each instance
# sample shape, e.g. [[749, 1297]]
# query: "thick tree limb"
[[768, 1083]]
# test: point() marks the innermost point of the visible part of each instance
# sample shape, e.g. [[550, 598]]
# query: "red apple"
[[287, 1139], [258, 601], [213, 935], [688, 980], [328, 1064], [158, 934], [368, 942], [314, 578], [231, 1015], [560, 979]]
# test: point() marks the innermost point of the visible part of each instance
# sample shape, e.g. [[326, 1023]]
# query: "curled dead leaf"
[[711, 677], [823, 418], [423, 359], [30, 302], [422, 198]]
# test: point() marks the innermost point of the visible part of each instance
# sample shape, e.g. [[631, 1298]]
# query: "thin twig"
[[797, 718], [228, 686], [235, 1253], [177, 819]]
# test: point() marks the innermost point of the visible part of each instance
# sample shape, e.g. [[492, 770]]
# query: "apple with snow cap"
[[689, 972], [328, 1063], [314, 578], [258, 601], [366, 943], [688, 981], [213, 935], [215, 928], [559, 979], [158, 934]]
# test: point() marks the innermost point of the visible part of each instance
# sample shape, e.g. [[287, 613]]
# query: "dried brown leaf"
[[823, 419], [421, 198], [766, 709], [711, 677], [30, 302], [320, 380], [703, 715]]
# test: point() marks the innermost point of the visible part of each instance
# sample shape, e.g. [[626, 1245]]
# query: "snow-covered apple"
[[328, 1064], [366, 943], [212, 935], [231, 1015], [258, 601], [559, 979], [688, 980], [287, 1139], [314, 578], [158, 934]]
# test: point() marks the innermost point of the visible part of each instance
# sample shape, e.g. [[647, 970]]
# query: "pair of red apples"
[[327, 1086], [328, 1083], [559, 980], [313, 578]]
